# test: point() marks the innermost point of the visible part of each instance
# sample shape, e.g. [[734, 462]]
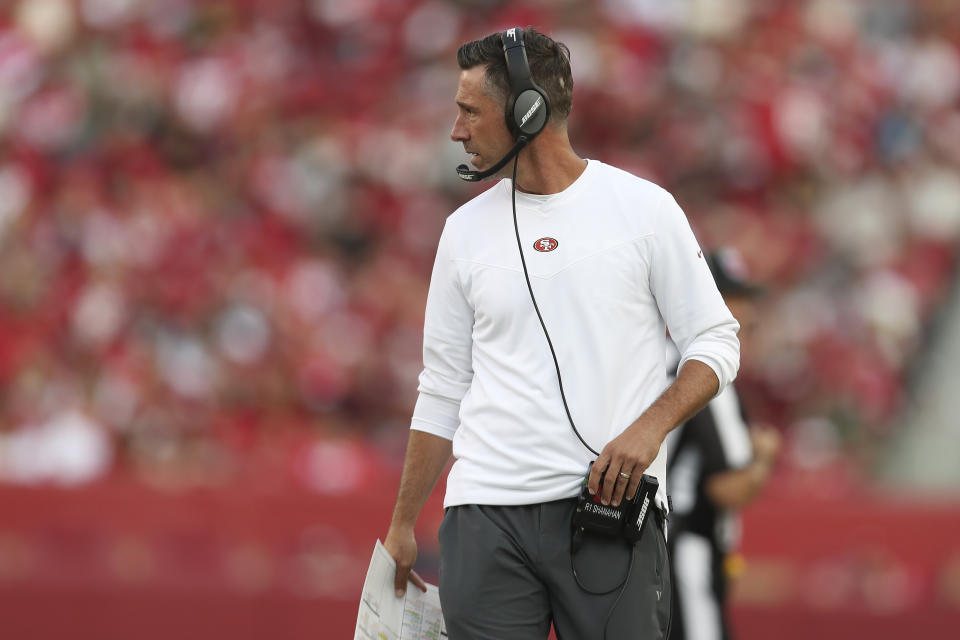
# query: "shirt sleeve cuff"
[[436, 415]]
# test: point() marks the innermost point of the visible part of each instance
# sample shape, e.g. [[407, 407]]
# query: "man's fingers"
[[605, 479], [596, 475], [632, 486], [400, 580], [625, 488], [610, 482], [401, 544], [418, 581], [618, 492]]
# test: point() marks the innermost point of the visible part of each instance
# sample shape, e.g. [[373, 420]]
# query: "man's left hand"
[[629, 454]]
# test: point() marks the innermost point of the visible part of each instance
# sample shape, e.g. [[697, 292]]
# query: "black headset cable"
[[536, 307]]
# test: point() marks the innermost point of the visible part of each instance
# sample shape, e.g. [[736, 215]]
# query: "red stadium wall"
[[851, 568], [123, 561], [129, 562]]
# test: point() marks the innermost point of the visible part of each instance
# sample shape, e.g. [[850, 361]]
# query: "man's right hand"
[[402, 545], [426, 457]]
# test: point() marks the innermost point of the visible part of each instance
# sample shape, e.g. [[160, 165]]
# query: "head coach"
[[544, 352]]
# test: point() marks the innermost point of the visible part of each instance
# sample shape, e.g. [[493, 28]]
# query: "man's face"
[[480, 124]]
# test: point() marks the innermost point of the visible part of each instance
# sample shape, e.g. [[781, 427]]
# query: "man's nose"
[[459, 131]]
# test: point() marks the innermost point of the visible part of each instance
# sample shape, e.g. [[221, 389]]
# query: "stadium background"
[[217, 221]]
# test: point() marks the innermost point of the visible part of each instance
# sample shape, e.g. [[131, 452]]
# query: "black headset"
[[528, 108]]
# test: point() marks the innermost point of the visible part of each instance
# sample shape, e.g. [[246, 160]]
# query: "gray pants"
[[506, 573]]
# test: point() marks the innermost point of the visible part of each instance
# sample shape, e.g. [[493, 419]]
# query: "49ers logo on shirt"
[[545, 244]]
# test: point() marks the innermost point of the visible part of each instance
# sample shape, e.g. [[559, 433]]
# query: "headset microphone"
[[469, 175]]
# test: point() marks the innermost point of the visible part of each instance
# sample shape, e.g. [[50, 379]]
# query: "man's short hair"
[[549, 65]]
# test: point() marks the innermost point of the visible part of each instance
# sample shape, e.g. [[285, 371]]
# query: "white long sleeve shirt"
[[624, 268]]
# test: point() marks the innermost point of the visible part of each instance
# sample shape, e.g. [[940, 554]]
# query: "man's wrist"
[[660, 428], [645, 423], [402, 526]]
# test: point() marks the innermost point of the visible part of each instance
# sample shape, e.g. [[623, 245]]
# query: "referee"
[[716, 465]]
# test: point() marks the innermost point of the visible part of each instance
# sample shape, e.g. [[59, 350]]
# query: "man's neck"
[[549, 165]]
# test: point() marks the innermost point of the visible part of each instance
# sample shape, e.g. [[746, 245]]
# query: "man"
[[612, 263], [716, 465]]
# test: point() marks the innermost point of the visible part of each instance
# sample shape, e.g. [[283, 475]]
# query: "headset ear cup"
[[530, 112], [528, 108]]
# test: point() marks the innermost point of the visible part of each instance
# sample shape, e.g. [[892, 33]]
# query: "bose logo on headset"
[[526, 116]]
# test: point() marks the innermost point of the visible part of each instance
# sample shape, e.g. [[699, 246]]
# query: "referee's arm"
[[735, 488]]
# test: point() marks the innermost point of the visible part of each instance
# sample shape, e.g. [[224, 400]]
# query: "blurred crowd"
[[218, 218]]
